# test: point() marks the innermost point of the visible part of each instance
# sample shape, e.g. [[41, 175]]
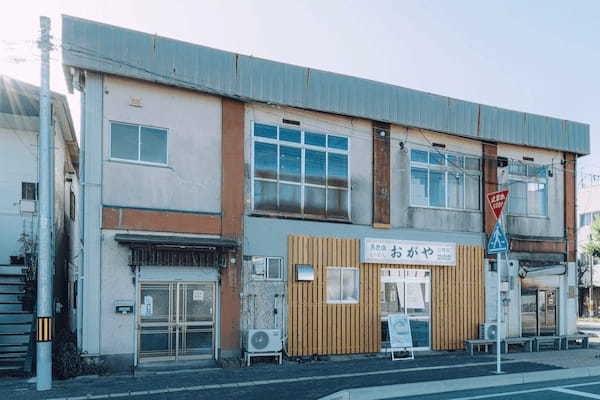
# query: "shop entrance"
[[176, 321], [407, 291], [539, 311]]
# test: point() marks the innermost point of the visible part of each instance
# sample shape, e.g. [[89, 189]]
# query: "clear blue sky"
[[540, 56]]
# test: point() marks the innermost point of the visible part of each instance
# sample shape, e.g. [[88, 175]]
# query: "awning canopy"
[[546, 270], [177, 250]]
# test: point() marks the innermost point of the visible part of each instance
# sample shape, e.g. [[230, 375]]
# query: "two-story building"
[[210, 179], [19, 171]]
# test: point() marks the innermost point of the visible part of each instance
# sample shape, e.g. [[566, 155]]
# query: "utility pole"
[[46, 224]]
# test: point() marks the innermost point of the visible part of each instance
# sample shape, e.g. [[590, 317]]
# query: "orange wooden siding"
[[315, 327]]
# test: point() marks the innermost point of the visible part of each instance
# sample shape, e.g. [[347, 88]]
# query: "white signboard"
[[147, 307], [391, 251], [198, 295], [399, 330]]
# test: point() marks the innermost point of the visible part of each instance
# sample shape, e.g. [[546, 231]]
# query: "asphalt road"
[[571, 389]]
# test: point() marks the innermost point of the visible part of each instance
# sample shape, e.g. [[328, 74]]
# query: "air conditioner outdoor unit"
[[488, 331], [263, 340]]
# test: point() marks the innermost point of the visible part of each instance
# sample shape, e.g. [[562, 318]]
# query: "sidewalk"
[[297, 381]]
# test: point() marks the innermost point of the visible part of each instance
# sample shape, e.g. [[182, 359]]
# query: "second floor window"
[[528, 189], [138, 143], [300, 172], [445, 180]]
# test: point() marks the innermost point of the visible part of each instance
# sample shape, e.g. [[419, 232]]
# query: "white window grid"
[[139, 143], [266, 276], [447, 170], [303, 184], [356, 272], [528, 179]]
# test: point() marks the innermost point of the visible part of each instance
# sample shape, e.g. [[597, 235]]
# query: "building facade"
[[19, 166], [210, 181], [588, 210]]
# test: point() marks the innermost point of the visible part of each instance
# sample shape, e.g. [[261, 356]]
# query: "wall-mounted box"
[[305, 273], [28, 206], [124, 306]]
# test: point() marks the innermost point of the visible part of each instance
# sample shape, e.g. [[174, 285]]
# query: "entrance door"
[[407, 291], [176, 321], [539, 312]]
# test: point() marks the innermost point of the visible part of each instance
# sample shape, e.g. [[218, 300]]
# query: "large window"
[[301, 172], [342, 285], [138, 143], [528, 189], [586, 219], [445, 180]]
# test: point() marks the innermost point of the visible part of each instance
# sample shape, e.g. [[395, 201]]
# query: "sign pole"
[[498, 318]]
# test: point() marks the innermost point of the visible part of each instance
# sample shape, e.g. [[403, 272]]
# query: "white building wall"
[[192, 179]]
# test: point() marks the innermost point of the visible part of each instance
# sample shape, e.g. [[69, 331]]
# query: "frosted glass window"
[[342, 285]]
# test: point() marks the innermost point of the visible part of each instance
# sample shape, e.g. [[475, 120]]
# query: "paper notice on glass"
[[147, 307], [414, 296], [198, 295], [399, 330]]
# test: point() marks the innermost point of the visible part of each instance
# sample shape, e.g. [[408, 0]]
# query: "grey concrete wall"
[[553, 224], [402, 213], [192, 179], [361, 149]]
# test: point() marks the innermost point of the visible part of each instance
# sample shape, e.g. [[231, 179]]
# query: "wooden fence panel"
[[316, 327]]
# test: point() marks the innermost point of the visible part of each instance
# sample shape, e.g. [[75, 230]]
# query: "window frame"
[[266, 276], [302, 183], [446, 170], [36, 190], [356, 271], [527, 179], [139, 144]]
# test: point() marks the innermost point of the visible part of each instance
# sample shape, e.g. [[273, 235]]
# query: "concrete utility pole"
[[46, 207]]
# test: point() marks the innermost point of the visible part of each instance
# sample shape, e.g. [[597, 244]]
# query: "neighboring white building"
[[19, 171], [588, 209]]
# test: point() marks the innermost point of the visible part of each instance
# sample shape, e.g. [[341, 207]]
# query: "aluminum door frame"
[[404, 280], [174, 288]]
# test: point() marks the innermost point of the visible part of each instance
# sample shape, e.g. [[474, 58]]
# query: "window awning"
[[546, 270], [177, 250]]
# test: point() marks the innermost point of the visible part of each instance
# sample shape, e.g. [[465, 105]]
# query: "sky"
[[538, 56]]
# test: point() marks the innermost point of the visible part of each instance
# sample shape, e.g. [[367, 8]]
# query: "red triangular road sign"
[[497, 201]]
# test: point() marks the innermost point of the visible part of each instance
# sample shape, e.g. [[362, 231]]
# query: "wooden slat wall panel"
[[316, 327]]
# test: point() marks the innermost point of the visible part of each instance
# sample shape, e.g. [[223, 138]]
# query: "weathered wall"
[[553, 224], [406, 216], [361, 144], [192, 179]]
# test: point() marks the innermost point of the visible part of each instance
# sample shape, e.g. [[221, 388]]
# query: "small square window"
[[29, 191], [267, 268], [343, 285]]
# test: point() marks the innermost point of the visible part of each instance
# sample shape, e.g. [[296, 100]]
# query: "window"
[[300, 172], [445, 180], [528, 189], [72, 206], [267, 268], [29, 191], [138, 143], [588, 218], [342, 285]]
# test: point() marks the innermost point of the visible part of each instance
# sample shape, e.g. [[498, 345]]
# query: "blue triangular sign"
[[497, 242]]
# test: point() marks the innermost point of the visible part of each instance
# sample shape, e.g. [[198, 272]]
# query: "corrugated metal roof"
[[109, 49]]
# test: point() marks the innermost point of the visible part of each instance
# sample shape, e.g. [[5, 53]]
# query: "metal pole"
[[46, 204], [498, 318]]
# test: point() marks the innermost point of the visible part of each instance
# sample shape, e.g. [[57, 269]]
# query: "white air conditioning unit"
[[28, 206], [263, 340], [488, 331]]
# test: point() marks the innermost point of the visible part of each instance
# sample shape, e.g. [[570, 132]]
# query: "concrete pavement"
[[298, 381]]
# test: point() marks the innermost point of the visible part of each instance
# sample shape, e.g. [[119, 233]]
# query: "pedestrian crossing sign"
[[498, 243]]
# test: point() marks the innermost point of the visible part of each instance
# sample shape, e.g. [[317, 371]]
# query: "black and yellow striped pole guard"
[[44, 329]]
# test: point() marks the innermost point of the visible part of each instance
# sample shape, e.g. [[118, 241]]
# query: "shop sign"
[[399, 330], [391, 251]]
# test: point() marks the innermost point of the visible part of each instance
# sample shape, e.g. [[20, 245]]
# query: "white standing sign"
[[399, 332], [391, 251]]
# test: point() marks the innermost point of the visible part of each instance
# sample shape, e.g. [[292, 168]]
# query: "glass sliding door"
[[407, 291], [176, 321]]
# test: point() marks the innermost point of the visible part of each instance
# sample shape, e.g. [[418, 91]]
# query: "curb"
[[451, 385]]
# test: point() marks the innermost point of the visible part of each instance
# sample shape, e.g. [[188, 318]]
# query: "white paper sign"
[[414, 296], [147, 307], [391, 251], [399, 331], [198, 295]]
